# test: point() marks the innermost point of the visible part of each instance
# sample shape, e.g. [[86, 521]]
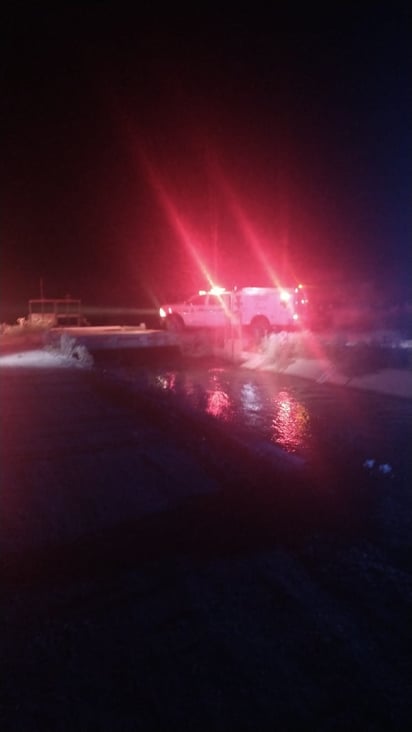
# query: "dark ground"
[[159, 575]]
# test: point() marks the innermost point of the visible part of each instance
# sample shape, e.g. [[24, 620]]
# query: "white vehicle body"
[[264, 308]]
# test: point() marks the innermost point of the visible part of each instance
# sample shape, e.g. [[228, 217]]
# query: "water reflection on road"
[[249, 400], [291, 422], [219, 403], [300, 416], [290, 419]]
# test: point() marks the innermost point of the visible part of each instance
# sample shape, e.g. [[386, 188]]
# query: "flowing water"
[[300, 416]]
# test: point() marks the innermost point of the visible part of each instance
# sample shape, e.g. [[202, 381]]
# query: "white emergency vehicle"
[[261, 309]]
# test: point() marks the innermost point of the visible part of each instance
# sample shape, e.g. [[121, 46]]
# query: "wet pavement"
[[157, 574]]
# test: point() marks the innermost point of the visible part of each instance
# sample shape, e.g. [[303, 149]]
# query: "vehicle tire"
[[260, 327], [174, 323]]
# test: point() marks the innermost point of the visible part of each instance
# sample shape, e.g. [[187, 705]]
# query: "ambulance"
[[260, 309]]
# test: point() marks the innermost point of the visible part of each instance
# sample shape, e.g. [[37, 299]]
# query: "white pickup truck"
[[262, 309]]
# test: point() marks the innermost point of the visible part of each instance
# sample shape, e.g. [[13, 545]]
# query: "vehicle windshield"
[[196, 300]]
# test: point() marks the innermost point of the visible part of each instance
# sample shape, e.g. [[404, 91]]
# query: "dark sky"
[[143, 152]]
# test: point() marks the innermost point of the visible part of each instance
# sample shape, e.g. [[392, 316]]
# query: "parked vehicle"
[[261, 309]]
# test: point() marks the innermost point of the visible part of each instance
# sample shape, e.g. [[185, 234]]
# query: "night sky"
[[145, 152]]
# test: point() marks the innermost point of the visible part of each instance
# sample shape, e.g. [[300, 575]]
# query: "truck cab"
[[206, 309]]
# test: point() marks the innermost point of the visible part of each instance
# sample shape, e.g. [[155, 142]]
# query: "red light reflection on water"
[[218, 400], [291, 422], [167, 381], [218, 404]]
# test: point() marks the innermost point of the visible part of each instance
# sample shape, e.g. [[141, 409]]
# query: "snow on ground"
[[67, 353], [286, 354], [37, 358], [395, 382]]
